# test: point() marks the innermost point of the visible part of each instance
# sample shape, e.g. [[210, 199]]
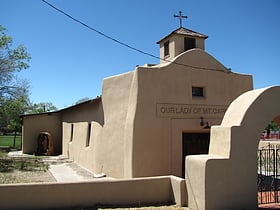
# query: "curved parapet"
[[196, 59], [260, 102], [193, 57]]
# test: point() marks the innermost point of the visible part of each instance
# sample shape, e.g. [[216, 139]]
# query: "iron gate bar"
[[268, 174]]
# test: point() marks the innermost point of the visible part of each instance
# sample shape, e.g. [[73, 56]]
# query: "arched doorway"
[[226, 177], [44, 144]]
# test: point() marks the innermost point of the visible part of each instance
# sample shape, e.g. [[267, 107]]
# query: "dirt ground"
[[18, 176]]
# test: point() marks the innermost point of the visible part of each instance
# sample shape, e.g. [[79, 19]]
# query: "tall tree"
[[13, 91], [12, 60], [11, 107]]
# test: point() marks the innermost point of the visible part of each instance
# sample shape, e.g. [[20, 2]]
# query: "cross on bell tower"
[[180, 41], [180, 16]]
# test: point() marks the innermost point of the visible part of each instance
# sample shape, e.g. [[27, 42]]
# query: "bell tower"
[[179, 41]]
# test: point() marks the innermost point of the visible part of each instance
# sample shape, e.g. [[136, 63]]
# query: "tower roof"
[[185, 31]]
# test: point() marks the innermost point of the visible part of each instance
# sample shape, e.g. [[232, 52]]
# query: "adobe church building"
[[147, 120]]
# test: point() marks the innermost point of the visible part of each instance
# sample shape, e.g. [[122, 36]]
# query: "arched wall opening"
[[226, 177]]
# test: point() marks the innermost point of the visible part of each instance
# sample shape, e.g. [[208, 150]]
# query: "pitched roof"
[[185, 31]]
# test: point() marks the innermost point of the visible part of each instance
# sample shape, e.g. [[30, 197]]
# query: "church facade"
[[147, 120]]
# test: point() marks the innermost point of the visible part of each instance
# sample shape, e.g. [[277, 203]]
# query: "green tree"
[[12, 107], [41, 108], [13, 91], [10, 114], [272, 126], [12, 60]]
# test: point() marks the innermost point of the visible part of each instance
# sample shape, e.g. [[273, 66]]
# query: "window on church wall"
[[189, 43], [198, 92], [71, 132], [88, 134], [166, 48]]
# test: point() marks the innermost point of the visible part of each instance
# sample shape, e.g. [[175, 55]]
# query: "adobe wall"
[[139, 131], [34, 124], [146, 191], [105, 151], [165, 89], [230, 169], [52, 122], [109, 145]]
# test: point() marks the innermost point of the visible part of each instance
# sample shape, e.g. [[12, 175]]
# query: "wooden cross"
[[180, 16]]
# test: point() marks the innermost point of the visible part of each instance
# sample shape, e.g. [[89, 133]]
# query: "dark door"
[[194, 144]]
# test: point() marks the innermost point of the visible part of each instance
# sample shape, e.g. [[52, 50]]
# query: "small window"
[[88, 134], [166, 48], [189, 43], [71, 132], [197, 91]]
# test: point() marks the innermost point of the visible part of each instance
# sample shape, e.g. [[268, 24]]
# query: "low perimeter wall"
[[138, 192]]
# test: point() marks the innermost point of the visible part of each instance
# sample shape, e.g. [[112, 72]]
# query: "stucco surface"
[[156, 190], [153, 140], [35, 124], [230, 168], [135, 128]]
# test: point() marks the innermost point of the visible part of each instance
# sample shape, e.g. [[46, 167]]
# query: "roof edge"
[[176, 31], [64, 109]]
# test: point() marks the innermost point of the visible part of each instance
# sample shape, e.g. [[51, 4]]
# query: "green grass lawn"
[[8, 141]]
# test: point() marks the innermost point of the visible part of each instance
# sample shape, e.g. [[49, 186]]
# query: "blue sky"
[[69, 61]]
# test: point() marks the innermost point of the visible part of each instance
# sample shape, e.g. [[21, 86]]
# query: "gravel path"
[[75, 172]]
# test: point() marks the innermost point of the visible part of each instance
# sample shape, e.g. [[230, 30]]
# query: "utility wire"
[[99, 32], [120, 42]]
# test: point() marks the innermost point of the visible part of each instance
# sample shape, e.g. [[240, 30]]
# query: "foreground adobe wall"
[[157, 190]]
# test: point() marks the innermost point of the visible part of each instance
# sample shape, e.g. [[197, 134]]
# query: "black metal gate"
[[269, 174]]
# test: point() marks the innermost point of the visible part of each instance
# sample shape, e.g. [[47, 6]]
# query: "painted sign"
[[190, 110]]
